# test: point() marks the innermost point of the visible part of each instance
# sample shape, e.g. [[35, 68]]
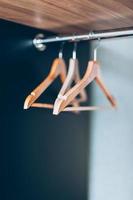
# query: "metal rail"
[[40, 41]]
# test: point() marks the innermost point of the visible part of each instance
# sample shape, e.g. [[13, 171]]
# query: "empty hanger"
[[92, 73], [58, 69], [72, 75], [54, 72]]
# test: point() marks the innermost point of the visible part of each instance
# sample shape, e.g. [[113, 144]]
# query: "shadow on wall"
[[44, 157]]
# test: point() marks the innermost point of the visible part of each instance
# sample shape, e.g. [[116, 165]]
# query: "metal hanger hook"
[[95, 50], [61, 50], [74, 54]]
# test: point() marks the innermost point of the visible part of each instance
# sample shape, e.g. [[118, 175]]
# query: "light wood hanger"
[[92, 73], [72, 75]]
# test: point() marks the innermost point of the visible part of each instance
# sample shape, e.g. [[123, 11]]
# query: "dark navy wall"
[[43, 156]]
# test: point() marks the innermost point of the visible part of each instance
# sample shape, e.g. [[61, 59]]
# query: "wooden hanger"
[[58, 69], [72, 75], [92, 73]]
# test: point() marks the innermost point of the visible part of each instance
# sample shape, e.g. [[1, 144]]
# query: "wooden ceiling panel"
[[74, 16]]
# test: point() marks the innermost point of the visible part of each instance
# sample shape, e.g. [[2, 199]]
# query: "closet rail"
[[40, 41]]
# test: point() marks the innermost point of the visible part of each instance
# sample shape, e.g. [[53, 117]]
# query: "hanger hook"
[[61, 50], [74, 51], [95, 50]]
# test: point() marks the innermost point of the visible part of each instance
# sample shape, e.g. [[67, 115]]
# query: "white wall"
[[111, 154]]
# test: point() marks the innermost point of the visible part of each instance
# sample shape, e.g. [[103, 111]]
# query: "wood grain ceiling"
[[69, 16]]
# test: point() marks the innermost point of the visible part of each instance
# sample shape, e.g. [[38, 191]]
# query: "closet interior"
[[60, 61]]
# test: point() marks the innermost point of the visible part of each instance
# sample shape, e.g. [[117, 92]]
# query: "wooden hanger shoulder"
[[58, 68]]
